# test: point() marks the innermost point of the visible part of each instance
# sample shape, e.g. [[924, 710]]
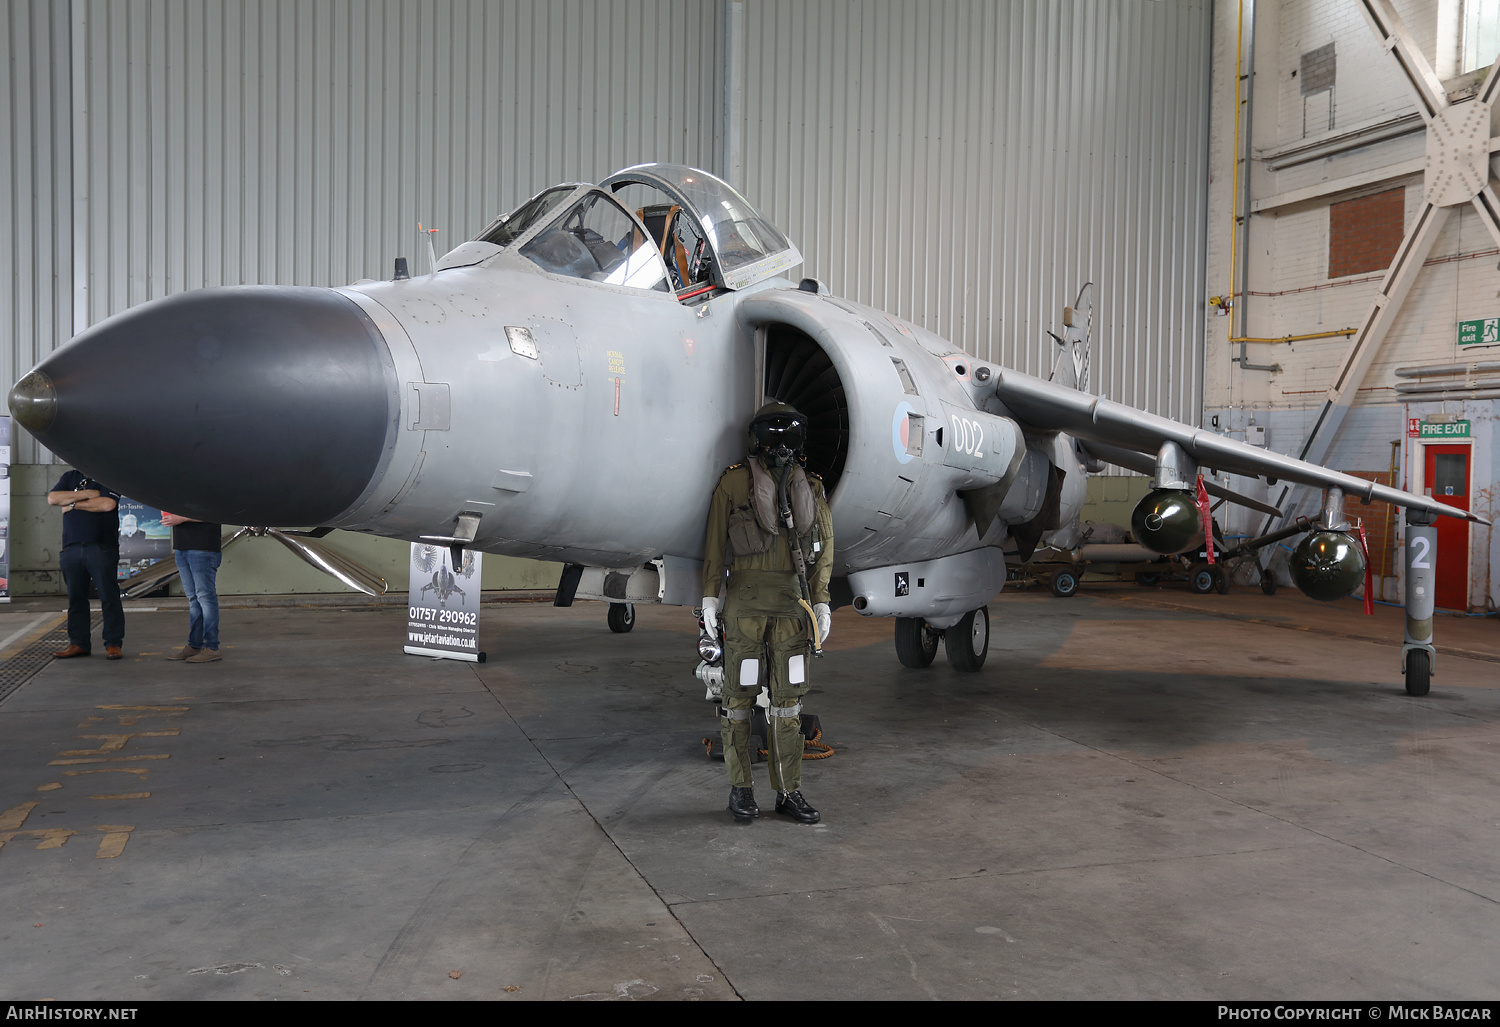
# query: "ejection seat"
[[660, 220]]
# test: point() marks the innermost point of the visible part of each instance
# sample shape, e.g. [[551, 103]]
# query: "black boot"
[[742, 803], [793, 805]]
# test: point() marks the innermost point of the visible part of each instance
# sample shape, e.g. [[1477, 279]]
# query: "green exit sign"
[[1451, 430], [1478, 333]]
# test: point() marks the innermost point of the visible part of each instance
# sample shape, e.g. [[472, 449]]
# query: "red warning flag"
[[1207, 518], [1364, 543]]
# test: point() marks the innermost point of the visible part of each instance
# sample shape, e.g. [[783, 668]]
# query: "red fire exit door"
[[1447, 478]]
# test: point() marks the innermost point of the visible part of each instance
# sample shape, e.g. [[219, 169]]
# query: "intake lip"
[[264, 405]]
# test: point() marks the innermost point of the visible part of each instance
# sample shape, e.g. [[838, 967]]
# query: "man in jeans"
[[91, 549], [196, 547]]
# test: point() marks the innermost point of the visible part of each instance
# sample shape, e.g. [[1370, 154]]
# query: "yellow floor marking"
[[141, 712], [124, 795], [108, 759], [13, 818], [142, 771], [113, 843], [51, 837], [52, 786], [114, 743]]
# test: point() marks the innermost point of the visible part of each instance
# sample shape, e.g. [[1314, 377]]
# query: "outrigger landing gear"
[[1417, 654]]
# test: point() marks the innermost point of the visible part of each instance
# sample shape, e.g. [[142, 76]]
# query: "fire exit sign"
[[1451, 430], [1479, 333]]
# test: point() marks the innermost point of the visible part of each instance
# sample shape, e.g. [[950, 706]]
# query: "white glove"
[[825, 620], [711, 614]]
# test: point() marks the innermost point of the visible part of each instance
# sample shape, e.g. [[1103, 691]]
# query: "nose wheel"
[[916, 643]]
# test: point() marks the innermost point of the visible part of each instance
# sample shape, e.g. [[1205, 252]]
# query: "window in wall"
[[1315, 78], [1364, 233], [1481, 34]]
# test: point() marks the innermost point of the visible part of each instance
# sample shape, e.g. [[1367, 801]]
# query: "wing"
[[1119, 434]]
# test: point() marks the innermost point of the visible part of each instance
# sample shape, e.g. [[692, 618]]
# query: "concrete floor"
[[1145, 794]]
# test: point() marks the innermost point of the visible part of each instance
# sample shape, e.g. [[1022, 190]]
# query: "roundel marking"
[[901, 432]]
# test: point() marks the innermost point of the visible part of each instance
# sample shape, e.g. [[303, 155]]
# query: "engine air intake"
[[800, 374]]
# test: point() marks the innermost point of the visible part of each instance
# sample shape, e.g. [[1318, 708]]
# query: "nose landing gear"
[[967, 642]]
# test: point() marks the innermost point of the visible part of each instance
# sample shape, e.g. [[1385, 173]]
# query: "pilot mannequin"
[[767, 633]]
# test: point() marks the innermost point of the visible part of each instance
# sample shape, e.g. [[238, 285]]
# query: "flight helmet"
[[778, 435]]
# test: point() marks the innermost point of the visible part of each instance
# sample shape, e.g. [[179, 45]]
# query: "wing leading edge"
[[1114, 426]]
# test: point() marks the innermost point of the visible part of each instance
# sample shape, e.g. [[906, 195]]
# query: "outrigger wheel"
[[1418, 672]]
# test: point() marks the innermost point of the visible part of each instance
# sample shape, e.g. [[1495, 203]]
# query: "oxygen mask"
[[778, 457]]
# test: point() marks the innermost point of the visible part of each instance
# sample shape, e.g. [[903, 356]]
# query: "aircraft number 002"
[[968, 436]]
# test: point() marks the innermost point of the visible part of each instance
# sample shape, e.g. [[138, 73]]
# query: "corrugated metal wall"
[[963, 163], [209, 142], [36, 213], [968, 164]]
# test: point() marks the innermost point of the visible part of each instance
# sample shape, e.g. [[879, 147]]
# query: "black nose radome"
[[246, 405]]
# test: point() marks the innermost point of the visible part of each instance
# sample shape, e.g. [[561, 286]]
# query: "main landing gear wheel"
[[621, 617], [916, 644], [1221, 581], [1418, 672], [1063, 584], [1201, 581], [968, 641]]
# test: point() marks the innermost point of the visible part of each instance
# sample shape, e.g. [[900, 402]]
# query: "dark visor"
[[779, 430]]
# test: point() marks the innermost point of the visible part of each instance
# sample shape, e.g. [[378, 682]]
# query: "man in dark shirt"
[[196, 547], [91, 549]]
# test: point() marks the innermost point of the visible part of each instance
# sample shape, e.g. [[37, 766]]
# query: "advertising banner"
[[4, 509], [144, 539], [442, 614]]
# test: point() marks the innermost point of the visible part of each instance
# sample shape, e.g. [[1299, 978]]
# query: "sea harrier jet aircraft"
[[569, 385]]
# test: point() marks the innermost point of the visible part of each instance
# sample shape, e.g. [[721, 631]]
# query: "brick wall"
[[1364, 233], [1380, 524]]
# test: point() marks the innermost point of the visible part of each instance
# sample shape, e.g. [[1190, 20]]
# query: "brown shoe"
[[73, 649], [112, 652], [205, 656], [184, 653]]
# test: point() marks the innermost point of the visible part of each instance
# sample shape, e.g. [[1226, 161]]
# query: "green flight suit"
[[767, 635]]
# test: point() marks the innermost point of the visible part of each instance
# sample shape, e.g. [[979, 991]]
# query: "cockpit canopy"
[[653, 226], [746, 248]]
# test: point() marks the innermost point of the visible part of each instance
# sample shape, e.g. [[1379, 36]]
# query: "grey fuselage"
[[603, 449]]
